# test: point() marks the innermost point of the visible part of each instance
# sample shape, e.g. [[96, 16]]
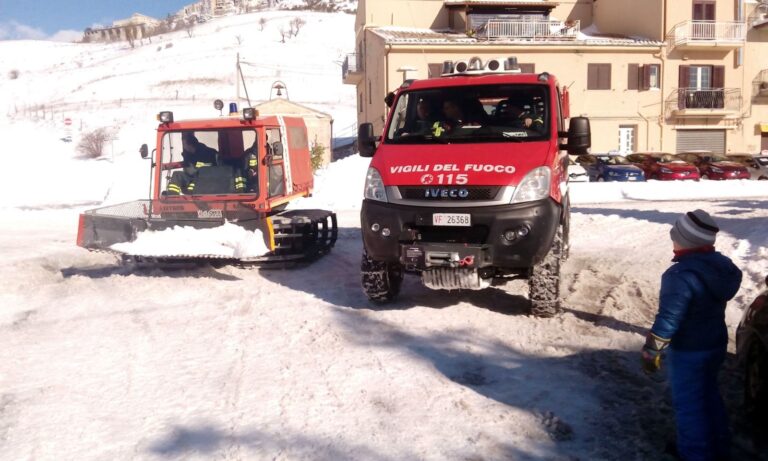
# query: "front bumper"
[[414, 242]]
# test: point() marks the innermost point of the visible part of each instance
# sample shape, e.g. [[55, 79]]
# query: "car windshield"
[[718, 158], [483, 113], [669, 158], [613, 159]]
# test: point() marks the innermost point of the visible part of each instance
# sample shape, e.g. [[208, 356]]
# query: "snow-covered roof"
[[538, 3], [415, 36]]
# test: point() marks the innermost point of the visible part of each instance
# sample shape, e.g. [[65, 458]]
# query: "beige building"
[[652, 75], [136, 27], [319, 124]]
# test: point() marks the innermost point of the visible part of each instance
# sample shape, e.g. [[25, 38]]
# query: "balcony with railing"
[[708, 35], [711, 102], [530, 30], [351, 70]]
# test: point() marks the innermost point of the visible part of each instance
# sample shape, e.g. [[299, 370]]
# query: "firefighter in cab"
[[195, 155]]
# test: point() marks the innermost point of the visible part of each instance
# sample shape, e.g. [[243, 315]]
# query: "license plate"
[[632, 178], [451, 219]]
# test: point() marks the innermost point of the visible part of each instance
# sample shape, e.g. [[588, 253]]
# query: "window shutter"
[[632, 74], [604, 77], [527, 68], [684, 76], [598, 76], [645, 77], [718, 76], [592, 76]]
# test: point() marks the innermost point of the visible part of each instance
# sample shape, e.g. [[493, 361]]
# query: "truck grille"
[[454, 193]]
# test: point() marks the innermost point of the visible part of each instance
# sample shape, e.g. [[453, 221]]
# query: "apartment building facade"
[[652, 75]]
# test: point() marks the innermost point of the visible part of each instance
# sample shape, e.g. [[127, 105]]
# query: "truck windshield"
[[210, 162], [469, 114]]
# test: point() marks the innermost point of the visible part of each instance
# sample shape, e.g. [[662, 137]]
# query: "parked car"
[[715, 166], [602, 167], [576, 172], [664, 166], [752, 351], [757, 165]]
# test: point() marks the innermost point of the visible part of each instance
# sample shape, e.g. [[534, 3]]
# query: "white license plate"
[[451, 219]]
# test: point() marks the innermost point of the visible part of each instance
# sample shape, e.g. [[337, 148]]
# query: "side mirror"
[[366, 141], [144, 151], [389, 99], [579, 136]]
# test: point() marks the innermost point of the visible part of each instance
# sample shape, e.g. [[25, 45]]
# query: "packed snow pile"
[[612, 192], [338, 186], [227, 241]]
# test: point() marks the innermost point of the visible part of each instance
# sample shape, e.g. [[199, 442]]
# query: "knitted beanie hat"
[[694, 229]]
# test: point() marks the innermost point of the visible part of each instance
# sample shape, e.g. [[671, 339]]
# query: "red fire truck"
[[468, 183]]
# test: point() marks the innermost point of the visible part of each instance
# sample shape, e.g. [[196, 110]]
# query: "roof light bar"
[[475, 66]]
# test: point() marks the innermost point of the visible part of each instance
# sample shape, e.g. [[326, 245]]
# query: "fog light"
[[385, 232], [523, 231], [510, 235], [375, 227]]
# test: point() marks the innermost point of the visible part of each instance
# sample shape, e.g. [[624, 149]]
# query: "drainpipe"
[[662, 72], [386, 80]]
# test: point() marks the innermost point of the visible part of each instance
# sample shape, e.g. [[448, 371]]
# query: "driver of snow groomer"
[[195, 155]]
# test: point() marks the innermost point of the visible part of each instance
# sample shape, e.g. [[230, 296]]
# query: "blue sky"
[[45, 19]]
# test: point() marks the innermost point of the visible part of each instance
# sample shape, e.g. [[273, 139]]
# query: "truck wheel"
[[544, 282], [381, 281], [566, 226]]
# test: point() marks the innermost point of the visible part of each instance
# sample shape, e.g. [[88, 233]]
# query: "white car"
[[759, 167], [576, 172], [756, 165]]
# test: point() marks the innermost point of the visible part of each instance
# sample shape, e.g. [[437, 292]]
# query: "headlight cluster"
[[534, 186], [374, 186], [666, 170], [716, 169]]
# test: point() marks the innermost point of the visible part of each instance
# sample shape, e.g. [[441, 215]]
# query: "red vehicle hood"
[[728, 165], [491, 164]]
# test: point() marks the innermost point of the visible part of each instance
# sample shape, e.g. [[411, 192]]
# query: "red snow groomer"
[[214, 174]]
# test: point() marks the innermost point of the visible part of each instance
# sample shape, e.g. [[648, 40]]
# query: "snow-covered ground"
[[101, 361]]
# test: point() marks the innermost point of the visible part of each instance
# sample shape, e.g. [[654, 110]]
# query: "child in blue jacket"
[[691, 321]]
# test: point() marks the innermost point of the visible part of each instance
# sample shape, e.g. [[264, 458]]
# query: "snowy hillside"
[[103, 361]]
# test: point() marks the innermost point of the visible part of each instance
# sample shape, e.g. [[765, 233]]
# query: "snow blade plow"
[[213, 232]]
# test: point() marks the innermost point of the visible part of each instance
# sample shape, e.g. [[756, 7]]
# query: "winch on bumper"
[[502, 238]]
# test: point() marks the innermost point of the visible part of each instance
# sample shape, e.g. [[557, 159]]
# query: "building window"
[[598, 76], [645, 77], [627, 139], [651, 76], [703, 10]]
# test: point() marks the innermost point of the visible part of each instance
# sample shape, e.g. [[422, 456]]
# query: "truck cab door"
[[275, 164]]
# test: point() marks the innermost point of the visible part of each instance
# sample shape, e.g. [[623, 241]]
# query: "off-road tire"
[[544, 282], [566, 226], [756, 381], [381, 281]]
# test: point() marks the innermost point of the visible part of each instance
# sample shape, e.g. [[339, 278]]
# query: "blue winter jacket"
[[694, 292]]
